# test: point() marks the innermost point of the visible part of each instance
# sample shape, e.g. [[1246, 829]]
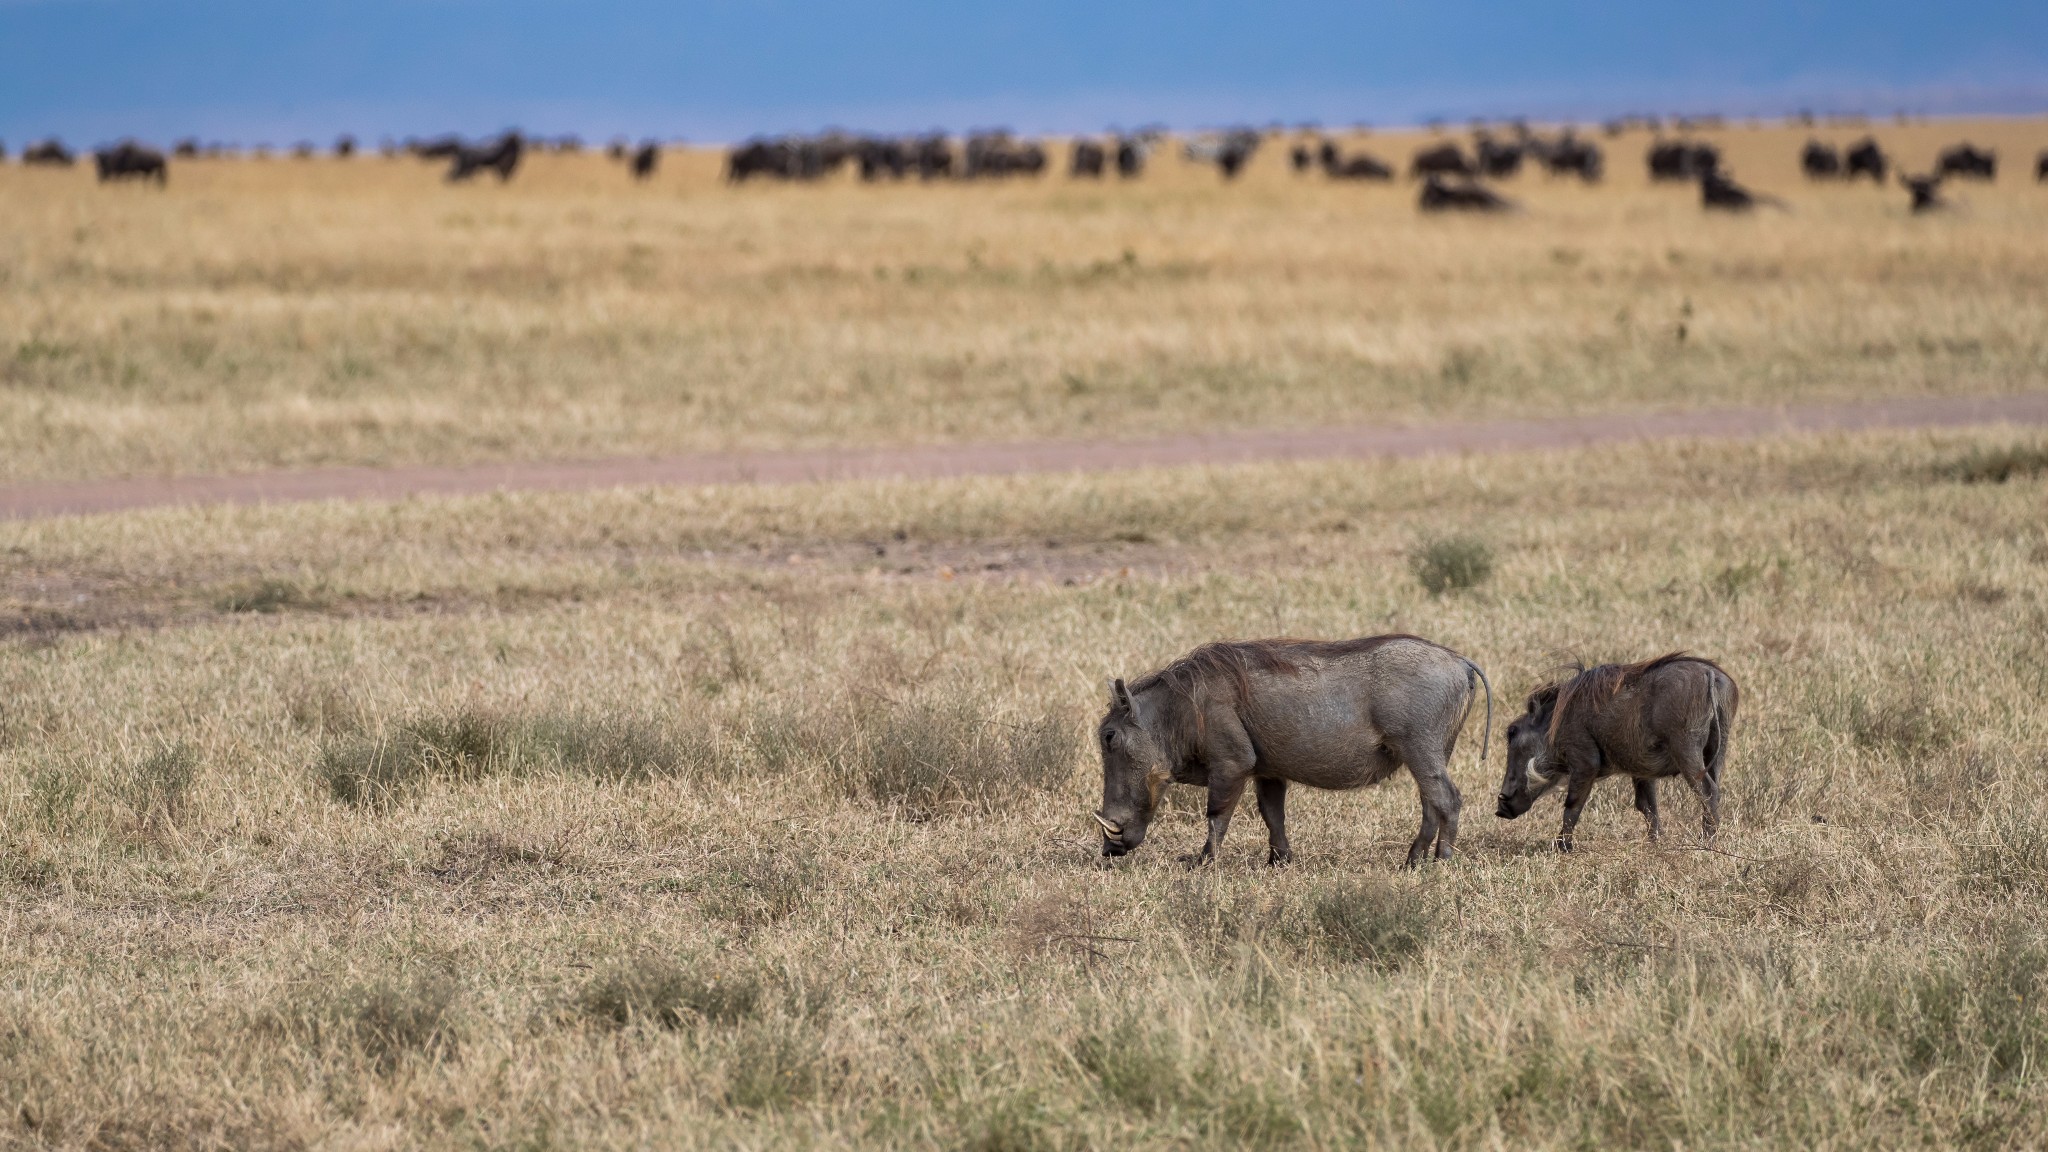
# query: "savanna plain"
[[757, 816]]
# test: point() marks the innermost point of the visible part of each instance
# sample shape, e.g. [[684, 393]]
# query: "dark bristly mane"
[[1233, 661], [1603, 682]]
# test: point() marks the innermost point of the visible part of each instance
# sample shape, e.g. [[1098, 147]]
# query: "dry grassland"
[[758, 817], [282, 313]]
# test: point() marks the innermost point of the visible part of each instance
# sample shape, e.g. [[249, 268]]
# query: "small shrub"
[[654, 990], [390, 1019], [2012, 853], [771, 1067], [473, 743], [157, 785], [1374, 922], [1996, 465], [54, 793], [266, 597], [1451, 563], [1134, 1066], [760, 886], [926, 757], [1906, 727]]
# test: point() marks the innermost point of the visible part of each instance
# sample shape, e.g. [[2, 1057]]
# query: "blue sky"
[[280, 70]]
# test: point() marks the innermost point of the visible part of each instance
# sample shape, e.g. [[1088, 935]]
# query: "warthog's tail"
[[1473, 671], [1720, 720]]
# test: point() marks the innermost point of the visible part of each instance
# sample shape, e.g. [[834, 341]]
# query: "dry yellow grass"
[[277, 313], [682, 837]]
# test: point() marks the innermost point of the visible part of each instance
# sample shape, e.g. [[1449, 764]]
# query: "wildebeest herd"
[[1350, 713], [1452, 176]]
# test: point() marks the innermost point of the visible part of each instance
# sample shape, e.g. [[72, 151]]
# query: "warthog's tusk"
[[1110, 828]]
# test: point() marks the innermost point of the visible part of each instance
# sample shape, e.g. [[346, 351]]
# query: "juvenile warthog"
[[1665, 717], [1328, 714]]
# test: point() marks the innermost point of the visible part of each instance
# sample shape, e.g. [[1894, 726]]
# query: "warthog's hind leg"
[[1272, 795], [1440, 806], [1646, 803]]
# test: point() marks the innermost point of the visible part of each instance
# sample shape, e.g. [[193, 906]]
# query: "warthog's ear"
[[1120, 694]]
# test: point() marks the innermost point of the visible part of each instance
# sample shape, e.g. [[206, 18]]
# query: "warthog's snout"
[[1114, 842], [1506, 809]]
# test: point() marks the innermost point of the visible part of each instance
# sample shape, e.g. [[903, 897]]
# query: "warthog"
[[1328, 714], [1665, 717]]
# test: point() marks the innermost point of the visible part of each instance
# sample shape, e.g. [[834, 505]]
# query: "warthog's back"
[[1340, 714]]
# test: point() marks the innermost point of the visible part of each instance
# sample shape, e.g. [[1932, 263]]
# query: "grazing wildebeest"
[[2041, 168], [186, 149], [1820, 161], [1719, 193], [1570, 156], [1328, 714], [500, 156], [1926, 191], [1445, 159], [1130, 157], [1497, 159], [1665, 717], [645, 160], [1968, 161], [131, 161], [1088, 159], [51, 152], [345, 146], [1865, 158], [1363, 166], [1300, 159], [1438, 196], [1682, 160]]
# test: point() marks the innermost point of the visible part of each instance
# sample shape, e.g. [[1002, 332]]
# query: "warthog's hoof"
[[1561, 844], [1279, 857], [1194, 860]]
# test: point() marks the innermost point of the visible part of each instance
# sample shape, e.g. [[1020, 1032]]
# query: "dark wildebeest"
[[1968, 161], [345, 146], [1235, 152], [1088, 159], [1363, 166], [1820, 161], [1718, 193], [1438, 196], [1926, 192], [1443, 160], [131, 161], [186, 149], [1130, 158], [438, 148], [1497, 159], [500, 156], [1329, 714], [1300, 159], [2041, 168], [1682, 160], [1665, 717], [51, 152], [645, 159], [1570, 156], [1865, 158]]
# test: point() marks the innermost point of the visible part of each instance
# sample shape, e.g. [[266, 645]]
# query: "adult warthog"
[[1665, 717], [1328, 714]]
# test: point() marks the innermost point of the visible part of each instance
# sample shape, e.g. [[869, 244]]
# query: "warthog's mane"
[[1591, 687], [1233, 661]]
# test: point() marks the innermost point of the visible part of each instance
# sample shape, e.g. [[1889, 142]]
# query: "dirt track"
[[60, 498]]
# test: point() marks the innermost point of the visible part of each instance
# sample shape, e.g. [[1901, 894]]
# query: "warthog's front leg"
[[1223, 797], [1272, 795], [1646, 803], [1577, 791]]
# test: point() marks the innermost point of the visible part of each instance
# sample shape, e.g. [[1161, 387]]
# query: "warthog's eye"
[[1109, 741]]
